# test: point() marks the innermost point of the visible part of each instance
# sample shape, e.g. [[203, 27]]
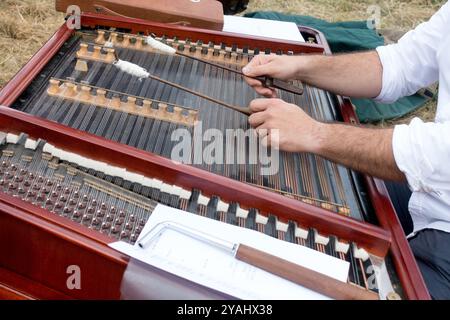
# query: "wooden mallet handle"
[[305, 277]]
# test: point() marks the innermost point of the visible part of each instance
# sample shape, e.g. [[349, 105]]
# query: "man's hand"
[[284, 125], [279, 67], [289, 128]]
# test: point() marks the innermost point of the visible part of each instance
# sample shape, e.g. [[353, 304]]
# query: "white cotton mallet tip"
[[132, 69], [159, 45]]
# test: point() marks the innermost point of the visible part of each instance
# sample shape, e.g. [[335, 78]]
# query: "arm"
[[386, 74], [357, 75], [418, 152], [362, 149]]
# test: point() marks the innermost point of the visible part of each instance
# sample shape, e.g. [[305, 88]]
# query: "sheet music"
[[262, 28], [207, 265]]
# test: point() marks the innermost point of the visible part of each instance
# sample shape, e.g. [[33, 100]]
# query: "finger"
[[257, 119], [253, 82], [258, 105], [257, 60], [259, 70], [267, 92], [260, 89], [263, 91]]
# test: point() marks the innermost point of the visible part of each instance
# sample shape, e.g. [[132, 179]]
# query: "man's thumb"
[[256, 71]]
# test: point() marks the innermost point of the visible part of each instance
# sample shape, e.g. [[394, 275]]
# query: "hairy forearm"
[[354, 75], [362, 149]]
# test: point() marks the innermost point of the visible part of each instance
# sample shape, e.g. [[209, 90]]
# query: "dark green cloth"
[[347, 37]]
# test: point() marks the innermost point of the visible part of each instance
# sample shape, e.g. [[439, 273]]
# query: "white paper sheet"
[[203, 263], [263, 28]]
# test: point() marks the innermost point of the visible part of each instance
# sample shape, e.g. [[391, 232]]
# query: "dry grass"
[[26, 24], [395, 14]]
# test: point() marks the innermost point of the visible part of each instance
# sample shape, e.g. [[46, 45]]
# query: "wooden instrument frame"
[[31, 271]]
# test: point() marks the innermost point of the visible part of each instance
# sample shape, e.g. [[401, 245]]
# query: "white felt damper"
[[281, 226], [360, 254], [320, 239], [222, 206], [31, 144], [12, 138], [342, 247], [241, 213], [301, 233], [203, 200]]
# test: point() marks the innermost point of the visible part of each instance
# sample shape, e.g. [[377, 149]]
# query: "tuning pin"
[[106, 225], [124, 234]]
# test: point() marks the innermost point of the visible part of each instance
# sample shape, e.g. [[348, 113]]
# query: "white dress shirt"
[[422, 150]]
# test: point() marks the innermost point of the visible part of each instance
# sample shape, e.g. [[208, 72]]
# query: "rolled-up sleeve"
[[411, 64], [422, 153]]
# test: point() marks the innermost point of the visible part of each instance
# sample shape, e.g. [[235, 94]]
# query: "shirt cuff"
[[409, 155], [385, 55]]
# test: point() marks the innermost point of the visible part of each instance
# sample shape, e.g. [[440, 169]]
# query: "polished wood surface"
[[372, 238], [207, 14], [305, 277]]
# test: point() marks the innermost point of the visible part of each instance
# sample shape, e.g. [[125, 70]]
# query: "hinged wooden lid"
[[206, 14]]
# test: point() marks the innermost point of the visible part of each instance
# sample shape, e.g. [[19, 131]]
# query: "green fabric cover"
[[347, 37]]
